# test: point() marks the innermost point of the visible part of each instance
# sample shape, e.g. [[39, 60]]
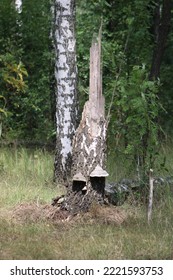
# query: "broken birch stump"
[[89, 144]]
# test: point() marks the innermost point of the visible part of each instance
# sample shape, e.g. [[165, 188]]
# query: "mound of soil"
[[107, 214], [32, 212]]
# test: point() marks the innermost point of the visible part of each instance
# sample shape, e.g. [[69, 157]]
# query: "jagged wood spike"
[[89, 143]]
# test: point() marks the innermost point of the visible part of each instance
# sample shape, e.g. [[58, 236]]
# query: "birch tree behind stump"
[[89, 143], [65, 90]]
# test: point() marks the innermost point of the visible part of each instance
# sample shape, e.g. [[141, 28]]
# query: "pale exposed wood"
[[96, 106], [150, 203], [89, 143], [90, 138]]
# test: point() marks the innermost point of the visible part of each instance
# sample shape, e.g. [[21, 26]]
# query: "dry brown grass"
[[34, 212], [32, 231]]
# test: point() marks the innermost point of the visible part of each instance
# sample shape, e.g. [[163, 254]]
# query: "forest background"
[[139, 108], [137, 77], [128, 42]]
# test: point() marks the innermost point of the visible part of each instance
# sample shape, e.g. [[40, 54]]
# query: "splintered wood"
[[96, 103], [89, 144], [90, 139]]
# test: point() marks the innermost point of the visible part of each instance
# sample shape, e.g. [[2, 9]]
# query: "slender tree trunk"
[[66, 95], [18, 4], [150, 202], [162, 21]]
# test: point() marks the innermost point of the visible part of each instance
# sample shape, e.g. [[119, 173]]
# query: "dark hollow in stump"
[[89, 144]]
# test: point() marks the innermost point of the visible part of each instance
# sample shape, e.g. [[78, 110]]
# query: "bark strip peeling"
[[65, 76]]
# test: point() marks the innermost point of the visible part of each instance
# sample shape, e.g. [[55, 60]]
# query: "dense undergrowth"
[[26, 178]]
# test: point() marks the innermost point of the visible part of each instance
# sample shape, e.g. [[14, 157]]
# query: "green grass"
[[122, 166], [26, 177]]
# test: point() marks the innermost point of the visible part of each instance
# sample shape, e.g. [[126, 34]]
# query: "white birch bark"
[[18, 5], [65, 76]]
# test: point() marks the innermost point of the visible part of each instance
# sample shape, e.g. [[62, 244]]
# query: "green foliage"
[[136, 103], [12, 74], [8, 27], [7, 39], [35, 117], [134, 120], [26, 37], [127, 40], [13, 85]]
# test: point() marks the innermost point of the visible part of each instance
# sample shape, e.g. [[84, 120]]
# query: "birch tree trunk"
[[18, 7], [66, 95], [18, 4]]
